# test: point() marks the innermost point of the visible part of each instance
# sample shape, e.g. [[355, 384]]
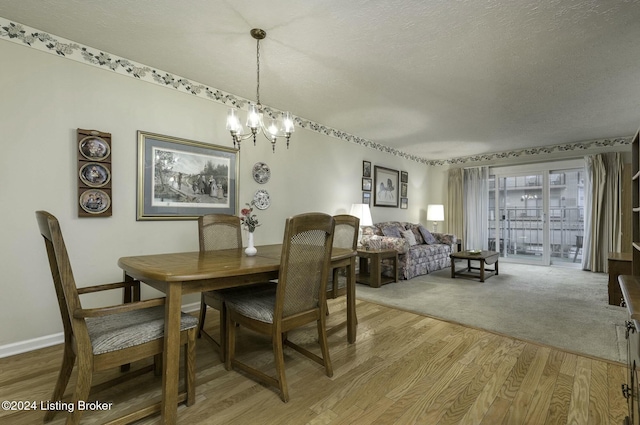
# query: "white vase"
[[250, 250]]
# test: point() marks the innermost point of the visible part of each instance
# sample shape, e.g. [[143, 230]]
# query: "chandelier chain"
[[258, 69]]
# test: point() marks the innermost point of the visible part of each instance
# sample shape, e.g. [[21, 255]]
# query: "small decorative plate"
[[261, 199], [94, 148], [475, 251], [94, 174], [261, 172], [95, 201]]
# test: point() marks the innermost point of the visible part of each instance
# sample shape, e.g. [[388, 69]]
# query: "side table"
[[371, 267]]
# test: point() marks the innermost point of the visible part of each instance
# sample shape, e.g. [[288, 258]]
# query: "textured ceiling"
[[436, 79]]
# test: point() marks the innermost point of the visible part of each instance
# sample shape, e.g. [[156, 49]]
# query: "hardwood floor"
[[403, 369]]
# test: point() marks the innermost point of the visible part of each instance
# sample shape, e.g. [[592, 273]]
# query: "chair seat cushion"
[[124, 330], [256, 302]]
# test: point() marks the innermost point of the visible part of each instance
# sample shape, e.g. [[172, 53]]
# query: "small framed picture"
[[403, 190], [366, 198], [404, 203], [366, 168], [404, 177], [366, 184]]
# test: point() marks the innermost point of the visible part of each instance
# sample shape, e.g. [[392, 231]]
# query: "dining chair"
[[298, 298], [106, 337], [345, 235], [216, 232]]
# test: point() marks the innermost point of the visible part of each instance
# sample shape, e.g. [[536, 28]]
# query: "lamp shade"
[[435, 212], [363, 213]]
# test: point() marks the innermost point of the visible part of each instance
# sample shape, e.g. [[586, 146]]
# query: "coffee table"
[[484, 257]]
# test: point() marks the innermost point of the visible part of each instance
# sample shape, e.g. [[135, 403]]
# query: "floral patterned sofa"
[[419, 250]]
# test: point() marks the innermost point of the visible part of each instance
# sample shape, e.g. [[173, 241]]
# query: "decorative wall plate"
[[261, 199], [94, 148], [261, 172], [94, 201], [94, 174]]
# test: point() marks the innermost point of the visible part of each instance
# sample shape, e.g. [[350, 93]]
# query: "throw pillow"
[[428, 237], [416, 233], [375, 243], [408, 235], [393, 231]]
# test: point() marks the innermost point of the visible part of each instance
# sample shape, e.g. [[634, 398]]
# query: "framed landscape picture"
[[181, 179], [385, 191]]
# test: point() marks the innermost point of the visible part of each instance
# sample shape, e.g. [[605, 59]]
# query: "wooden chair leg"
[[83, 386], [278, 354], [190, 366], [230, 342], [157, 364], [324, 346], [68, 360], [223, 333], [203, 314]]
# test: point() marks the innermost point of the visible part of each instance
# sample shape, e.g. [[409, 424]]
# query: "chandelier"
[[273, 128]]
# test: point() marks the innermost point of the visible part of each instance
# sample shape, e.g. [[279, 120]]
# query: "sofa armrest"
[[386, 242], [445, 238]]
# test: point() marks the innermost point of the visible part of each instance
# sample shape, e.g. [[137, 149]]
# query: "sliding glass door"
[[537, 216]]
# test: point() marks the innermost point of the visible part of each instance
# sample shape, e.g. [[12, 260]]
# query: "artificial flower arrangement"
[[249, 221]]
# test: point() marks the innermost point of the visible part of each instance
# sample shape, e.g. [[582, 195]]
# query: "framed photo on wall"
[[366, 169], [404, 203], [404, 177], [403, 190], [181, 179], [366, 198], [385, 191], [366, 184]]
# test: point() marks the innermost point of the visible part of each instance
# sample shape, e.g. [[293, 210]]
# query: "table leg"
[[171, 357], [352, 319], [453, 268], [376, 271], [496, 266], [481, 270]]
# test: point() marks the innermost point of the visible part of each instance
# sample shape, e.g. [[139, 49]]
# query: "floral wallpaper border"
[[42, 41]]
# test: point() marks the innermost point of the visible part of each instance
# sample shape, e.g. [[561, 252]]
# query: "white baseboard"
[[58, 338], [30, 345]]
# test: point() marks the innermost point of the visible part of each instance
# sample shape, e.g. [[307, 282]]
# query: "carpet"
[[559, 307]]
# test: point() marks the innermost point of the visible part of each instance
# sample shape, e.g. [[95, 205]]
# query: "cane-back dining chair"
[[345, 235], [298, 298], [106, 337], [216, 232]]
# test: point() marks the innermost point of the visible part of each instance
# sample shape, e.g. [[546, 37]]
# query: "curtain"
[[603, 209], [476, 208], [455, 203]]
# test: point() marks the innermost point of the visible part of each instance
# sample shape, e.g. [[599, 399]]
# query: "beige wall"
[[45, 98]]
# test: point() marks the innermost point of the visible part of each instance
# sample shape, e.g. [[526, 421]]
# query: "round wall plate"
[[261, 172], [94, 148], [95, 201], [261, 199], [94, 174]]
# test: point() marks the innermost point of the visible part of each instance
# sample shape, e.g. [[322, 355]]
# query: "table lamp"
[[435, 213], [363, 212]]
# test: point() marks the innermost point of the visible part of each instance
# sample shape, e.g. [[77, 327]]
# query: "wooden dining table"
[[182, 273]]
